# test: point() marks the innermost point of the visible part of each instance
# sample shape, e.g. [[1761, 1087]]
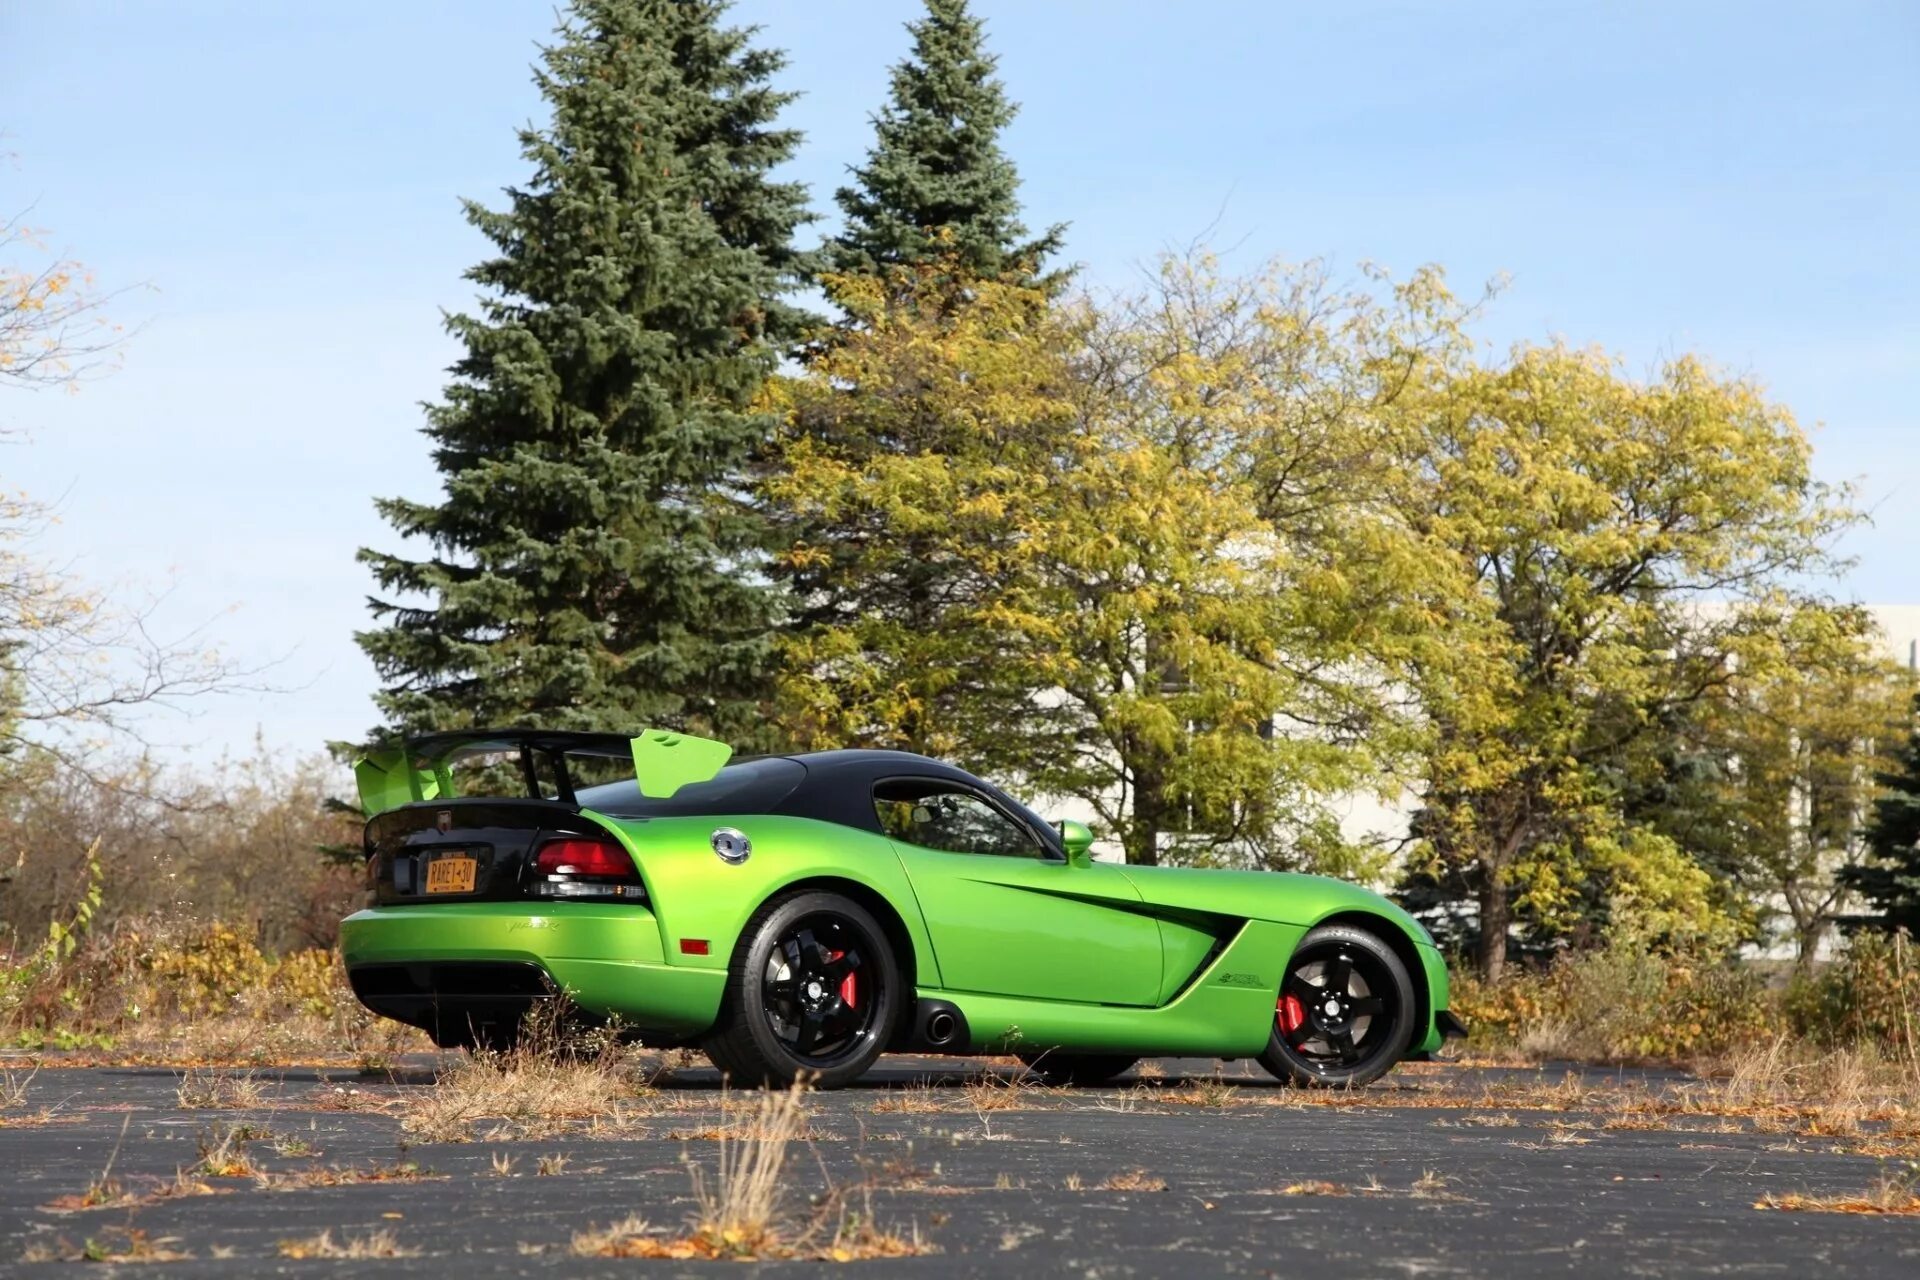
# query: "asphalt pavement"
[[1205, 1170]]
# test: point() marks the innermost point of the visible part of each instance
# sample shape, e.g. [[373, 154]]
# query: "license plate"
[[451, 875]]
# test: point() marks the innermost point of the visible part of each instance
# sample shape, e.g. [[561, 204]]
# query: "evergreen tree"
[[936, 183], [593, 561], [1891, 883]]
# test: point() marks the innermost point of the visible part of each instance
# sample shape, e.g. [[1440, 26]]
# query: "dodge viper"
[[796, 916]]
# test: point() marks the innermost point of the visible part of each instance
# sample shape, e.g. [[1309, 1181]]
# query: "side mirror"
[[1078, 838]]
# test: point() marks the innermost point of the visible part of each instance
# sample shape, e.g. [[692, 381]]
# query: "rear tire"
[[1344, 1015], [1082, 1070], [812, 994]]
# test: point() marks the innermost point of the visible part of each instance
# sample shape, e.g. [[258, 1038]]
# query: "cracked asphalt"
[[1205, 1169]]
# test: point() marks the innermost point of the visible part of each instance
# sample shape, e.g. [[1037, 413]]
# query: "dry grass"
[[402, 1170], [376, 1244], [920, 1098], [1314, 1187], [223, 1153], [742, 1211], [740, 1214], [1137, 1180], [14, 1086], [1208, 1091], [1872, 1202], [204, 1090], [992, 1091], [116, 1244], [1896, 1192], [531, 1093]]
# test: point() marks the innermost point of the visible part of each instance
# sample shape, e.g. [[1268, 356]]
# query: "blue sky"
[[1737, 179]]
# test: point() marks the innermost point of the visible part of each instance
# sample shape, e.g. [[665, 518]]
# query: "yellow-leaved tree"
[[1129, 551], [1813, 718], [1619, 548], [918, 445]]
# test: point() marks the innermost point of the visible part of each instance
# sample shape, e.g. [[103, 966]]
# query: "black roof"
[[828, 786]]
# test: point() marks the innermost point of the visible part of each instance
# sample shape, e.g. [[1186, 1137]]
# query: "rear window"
[[749, 786]]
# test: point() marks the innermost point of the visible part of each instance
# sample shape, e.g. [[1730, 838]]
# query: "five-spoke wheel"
[[812, 993], [1345, 1010]]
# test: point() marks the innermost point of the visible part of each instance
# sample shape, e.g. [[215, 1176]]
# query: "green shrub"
[[1622, 1002], [1870, 994]]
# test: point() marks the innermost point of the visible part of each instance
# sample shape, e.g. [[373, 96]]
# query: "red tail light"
[[601, 859], [584, 868]]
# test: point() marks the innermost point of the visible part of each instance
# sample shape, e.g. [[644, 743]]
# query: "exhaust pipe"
[[938, 1027]]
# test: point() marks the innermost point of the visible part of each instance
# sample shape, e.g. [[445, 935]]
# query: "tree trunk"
[[1149, 807], [1495, 914], [1807, 937]]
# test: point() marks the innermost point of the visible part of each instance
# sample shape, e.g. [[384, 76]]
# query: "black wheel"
[[812, 994], [1082, 1069], [1344, 1016]]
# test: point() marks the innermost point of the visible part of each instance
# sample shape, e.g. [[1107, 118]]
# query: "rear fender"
[[699, 897]]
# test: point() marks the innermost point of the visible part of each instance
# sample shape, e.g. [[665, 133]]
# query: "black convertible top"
[[828, 786]]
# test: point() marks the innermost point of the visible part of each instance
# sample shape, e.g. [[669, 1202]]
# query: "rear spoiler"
[[421, 768]]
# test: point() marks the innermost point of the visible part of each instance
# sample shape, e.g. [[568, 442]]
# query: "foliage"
[[1026, 535], [27, 972], [1582, 547], [1870, 993], [205, 971], [143, 976], [936, 184], [592, 562], [910, 458], [1628, 1001], [54, 331], [1890, 881], [232, 843], [1803, 733], [1222, 611], [1625, 1001]]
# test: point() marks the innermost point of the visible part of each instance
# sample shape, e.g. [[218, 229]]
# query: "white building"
[[1364, 817]]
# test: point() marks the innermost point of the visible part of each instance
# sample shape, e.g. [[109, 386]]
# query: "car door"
[[1006, 914]]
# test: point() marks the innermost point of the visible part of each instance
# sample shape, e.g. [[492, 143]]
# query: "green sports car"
[[797, 916]]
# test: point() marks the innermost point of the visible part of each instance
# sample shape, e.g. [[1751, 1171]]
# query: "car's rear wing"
[[421, 768]]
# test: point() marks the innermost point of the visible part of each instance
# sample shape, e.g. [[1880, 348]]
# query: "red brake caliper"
[[1290, 1014], [848, 988]]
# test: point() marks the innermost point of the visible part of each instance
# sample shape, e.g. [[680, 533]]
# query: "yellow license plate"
[[450, 875]]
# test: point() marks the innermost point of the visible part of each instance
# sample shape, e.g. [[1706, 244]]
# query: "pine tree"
[[592, 561], [1891, 883], [936, 182]]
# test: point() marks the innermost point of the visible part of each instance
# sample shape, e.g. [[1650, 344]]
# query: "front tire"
[[1344, 1016], [1084, 1070], [812, 994]]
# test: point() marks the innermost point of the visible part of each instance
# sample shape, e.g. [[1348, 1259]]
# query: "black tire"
[[1340, 1033], [1080, 1069], [786, 1016]]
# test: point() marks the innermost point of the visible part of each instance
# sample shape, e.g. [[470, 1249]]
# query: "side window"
[[938, 815]]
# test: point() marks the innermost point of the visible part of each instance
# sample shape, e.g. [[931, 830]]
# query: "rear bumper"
[[449, 965], [454, 1001]]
